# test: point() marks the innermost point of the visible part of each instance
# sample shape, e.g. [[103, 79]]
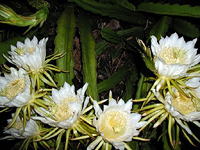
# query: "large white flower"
[[67, 108], [116, 123], [16, 131], [173, 56], [15, 88], [29, 55], [182, 107]]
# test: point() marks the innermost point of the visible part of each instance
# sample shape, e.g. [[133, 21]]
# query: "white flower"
[[67, 109], [16, 131], [173, 56], [116, 123], [29, 55], [15, 88], [183, 107]]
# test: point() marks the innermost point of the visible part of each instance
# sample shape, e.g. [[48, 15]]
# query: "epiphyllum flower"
[[15, 88], [17, 131], [116, 124], [31, 132], [67, 107], [173, 57], [182, 107], [29, 55]]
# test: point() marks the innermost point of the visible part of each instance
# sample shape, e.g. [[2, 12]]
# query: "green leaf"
[[130, 81], [167, 9], [186, 28], [89, 54], [123, 3], [101, 46], [134, 31], [128, 90], [64, 43], [111, 10], [134, 145], [114, 79], [161, 27], [142, 87], [110, 36]]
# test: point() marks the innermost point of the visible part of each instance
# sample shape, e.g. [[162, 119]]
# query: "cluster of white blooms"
[[44, 110], [58, 109], [177, 85], [17, 89], [173, 57]]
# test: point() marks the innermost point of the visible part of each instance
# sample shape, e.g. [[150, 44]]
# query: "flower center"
[[113, 124], [183, 104], [62, 112], [30, 50], [173, 55], [21, 51], [14, 87]]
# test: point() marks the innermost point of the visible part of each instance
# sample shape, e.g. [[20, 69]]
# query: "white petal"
[[128, 105], [97, 109]]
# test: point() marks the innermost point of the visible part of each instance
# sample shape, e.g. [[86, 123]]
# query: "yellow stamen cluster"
[[30, 50], [113, 124], [183, 104], [15, 87], [21, 51], [173, 55], [62, 112]]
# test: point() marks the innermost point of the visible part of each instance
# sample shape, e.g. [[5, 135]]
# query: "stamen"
[[30, 50], [173, 55], [20, 51], [183, 104], [15, 87], [113, 124], [62, 112]]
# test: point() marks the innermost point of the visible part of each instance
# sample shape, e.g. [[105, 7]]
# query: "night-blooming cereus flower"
[[67, 107], [178, 109], [16, 131], [182, 107], [15, 88], [29, 55], [116, 124], [173, 57]]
